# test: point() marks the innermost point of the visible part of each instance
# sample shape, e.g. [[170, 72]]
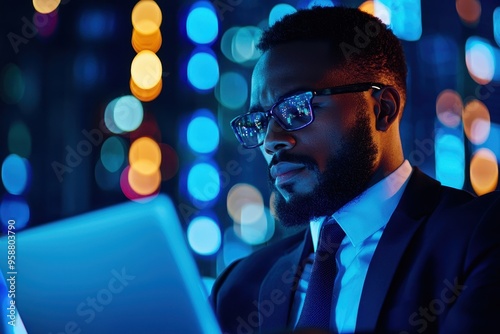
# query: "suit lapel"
[[419, 199], [280, 284]]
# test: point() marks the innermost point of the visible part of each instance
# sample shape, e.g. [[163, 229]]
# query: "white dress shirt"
[[363, 220]]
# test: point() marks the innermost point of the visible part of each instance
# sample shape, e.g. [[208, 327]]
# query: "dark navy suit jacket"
[[436, 269]]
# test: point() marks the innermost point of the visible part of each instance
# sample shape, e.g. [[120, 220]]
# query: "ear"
[[388, 111]]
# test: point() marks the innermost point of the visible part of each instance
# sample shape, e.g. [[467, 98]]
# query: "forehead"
[[294, 66]]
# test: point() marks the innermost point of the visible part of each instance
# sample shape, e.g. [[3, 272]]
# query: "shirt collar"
[[371, 211]]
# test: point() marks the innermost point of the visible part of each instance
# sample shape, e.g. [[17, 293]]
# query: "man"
[[413, 256]]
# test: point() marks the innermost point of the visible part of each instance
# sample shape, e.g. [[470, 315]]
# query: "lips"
[[283, 172]]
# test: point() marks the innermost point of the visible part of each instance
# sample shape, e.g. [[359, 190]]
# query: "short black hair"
[[360, 42]]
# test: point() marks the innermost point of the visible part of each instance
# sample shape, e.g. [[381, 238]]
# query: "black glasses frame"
[[271, 113]]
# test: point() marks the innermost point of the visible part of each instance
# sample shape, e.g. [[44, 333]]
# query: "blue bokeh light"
[[202, 26], [203, 182], [203, 134], [406, 18], [203, 71], [204, 235], [450, 159], [128, 113], [113, 153], [280, 10], [14, 208], [96, 24], [16, 174]]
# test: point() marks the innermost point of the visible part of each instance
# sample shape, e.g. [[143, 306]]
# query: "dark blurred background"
[[69, 118]]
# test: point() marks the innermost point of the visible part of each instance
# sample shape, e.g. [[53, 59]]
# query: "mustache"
[[285, 156]]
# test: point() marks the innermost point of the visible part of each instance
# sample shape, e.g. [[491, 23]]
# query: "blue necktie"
[[317, 304]]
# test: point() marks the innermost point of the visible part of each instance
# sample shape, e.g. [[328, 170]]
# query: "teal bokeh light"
[[203, 134], [203, 182], [204, 235], [203, 71], [202, 26]]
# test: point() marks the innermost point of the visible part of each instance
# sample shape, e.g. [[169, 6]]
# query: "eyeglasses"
[[291, 113]]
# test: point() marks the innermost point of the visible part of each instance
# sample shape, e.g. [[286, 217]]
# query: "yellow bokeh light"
[[146, 16], [368, 7], [146, 95], [150, 42], [144, 184], [46, 6], [146, 69], [468, 10], [449, 108], [476, 118], [484, 171], [242, 196], [145, 156]]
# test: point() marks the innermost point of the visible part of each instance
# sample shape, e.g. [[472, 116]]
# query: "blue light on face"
[[203, 134], [16, 174], [203, 182], [203, 71], [202, 25], [450, 160]]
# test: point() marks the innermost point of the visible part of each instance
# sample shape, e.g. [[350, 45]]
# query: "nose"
[[277, 138]]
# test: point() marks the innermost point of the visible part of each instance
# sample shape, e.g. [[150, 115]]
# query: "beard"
[[346, 176]]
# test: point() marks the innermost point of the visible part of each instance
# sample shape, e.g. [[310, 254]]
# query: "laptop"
[[122, 269]]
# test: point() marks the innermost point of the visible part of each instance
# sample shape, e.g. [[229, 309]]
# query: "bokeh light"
[[484, 171], [204, 235], [203, 134], [320, 3], [16, 174], [129, 192], [150, 42], [87, 70], [244, 195], [14, 208], [145, 155], [203, 71], [403, 17], [378, 9], [45, 7], [480, 60], [109, 118], [12, 84], [203, 182], [19, 139], [469, 11], [202, 26], [449, 108], [169, 162], [258, 231], [128, 113], [113, 153], [232, 90], [280, 10], [476, 118], [146, 17], [146, 68], [96, 24], [450, 160], [144, 184], [233, 248], [239, 45], [146, 95], [105, 179], [45, 23]]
